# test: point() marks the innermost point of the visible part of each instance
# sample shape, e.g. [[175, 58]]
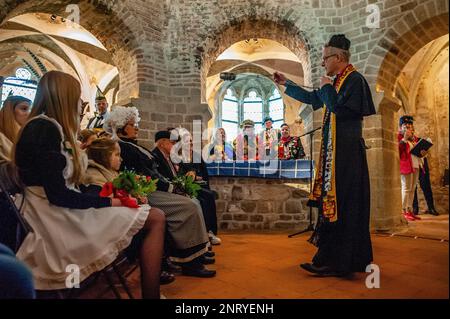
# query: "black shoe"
[[209, 254], [331, 273], [207, 260], [433, 212], [196, 269], [312, 268], [321, 271], [166, 278], [169, 266]]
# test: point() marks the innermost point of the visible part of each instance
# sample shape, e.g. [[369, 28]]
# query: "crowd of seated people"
[[81, 227], [52, 165], [77, 228]]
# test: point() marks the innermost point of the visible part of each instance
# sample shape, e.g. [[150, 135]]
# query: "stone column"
[[380, 133]]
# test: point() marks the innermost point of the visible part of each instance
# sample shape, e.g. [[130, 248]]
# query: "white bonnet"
[[119, 117]]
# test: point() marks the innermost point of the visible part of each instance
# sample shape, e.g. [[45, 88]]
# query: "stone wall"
[[255, 203]]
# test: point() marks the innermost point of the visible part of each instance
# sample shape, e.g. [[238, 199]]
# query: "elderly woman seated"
[[185, 224]]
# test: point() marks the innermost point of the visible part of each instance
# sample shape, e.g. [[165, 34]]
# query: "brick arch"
[[284, 33], [401, 41], [114, 27]]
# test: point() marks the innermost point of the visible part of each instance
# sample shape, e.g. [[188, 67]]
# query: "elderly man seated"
[[198, 171]]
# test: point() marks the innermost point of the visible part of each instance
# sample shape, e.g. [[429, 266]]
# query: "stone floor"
[[435, 227], [266, 266]]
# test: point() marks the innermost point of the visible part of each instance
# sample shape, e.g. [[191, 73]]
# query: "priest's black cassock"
[[344, 245]]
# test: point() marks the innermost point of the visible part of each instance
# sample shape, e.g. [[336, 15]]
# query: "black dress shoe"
[[309, 267], [330, 273], [433, 212], [166, 278], [209, 254], [207, 260], [321, 271], [314, 269], [169, 266], [196, 269]]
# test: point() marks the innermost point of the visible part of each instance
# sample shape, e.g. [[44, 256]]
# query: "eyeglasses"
[[135, 125], [325, 58]]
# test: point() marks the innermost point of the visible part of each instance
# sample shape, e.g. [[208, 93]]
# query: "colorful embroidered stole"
[[325, 179]]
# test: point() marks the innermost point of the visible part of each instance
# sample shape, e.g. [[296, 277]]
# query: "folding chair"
[[11, 216]]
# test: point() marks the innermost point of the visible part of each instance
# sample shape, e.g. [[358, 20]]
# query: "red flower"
[[107, 190], [129, 202], [149, 178], [120, 193]]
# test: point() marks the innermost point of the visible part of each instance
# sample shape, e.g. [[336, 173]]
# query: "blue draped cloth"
[[275, 169]]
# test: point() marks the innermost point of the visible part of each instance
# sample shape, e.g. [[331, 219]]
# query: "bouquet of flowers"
[[187, 185], [128, 187]]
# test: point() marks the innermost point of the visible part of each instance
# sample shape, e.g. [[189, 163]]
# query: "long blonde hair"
[[8, 124], [58, 96]]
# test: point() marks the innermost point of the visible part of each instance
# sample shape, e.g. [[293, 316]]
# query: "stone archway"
[[114, 27], [290, 37], [404, 48], [285, 34], [383, 67], [253, 61]]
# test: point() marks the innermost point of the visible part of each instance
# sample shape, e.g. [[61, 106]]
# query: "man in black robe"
[[342, 194]]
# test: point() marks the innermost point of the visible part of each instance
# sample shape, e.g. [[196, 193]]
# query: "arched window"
[[253, 109], [21, 85], [230, 115], [276, 108]]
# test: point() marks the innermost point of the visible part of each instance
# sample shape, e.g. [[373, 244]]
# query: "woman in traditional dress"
[[289, 147]]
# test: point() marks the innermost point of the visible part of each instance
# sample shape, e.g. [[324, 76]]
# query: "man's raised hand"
[[279, 78]]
